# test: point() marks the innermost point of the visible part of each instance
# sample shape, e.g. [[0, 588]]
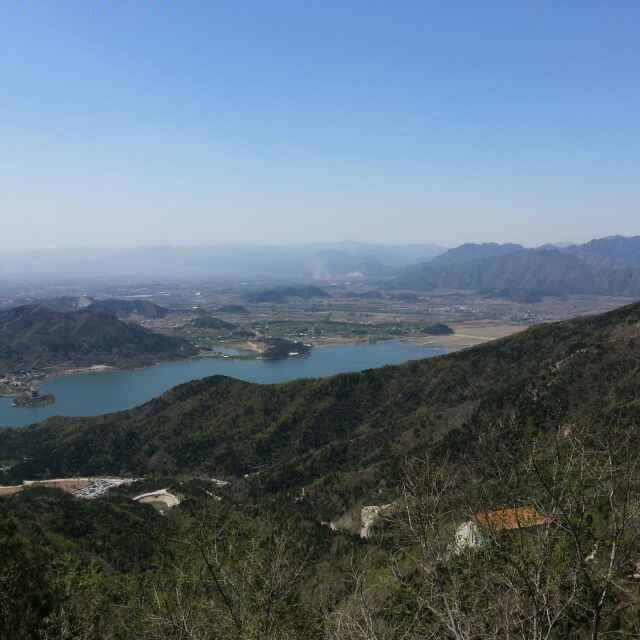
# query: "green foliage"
[[359, 425], [36, 336], [278, 348], [28, 595], [546, 419], [115, 532]]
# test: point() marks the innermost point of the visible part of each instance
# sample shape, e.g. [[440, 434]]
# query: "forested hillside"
[[126, 308], [37, 336], [360, 425], [542, 424]]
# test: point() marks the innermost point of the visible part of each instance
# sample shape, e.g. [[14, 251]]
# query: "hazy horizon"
[[196, 124], [344, 244]]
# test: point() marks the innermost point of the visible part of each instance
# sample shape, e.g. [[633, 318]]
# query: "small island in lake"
[[34, 398], [438, 329], [279, 348]]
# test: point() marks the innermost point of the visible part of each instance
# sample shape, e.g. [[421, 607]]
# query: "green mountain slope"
[[358, 425], [36, 336], [125, 308], [543, 422]]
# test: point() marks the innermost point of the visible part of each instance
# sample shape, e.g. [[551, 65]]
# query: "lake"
[[96, 393]]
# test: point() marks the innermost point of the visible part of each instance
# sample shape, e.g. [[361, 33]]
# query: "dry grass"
[[10, 491], [469, 334]]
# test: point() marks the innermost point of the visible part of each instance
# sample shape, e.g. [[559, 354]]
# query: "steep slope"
[[525, 275], [359, 426], [36, 336], [472, 251], [528, 274], [614, 251]]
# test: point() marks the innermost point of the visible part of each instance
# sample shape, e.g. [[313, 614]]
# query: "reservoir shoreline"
[[466, 334], [86, 394], [56, 373]]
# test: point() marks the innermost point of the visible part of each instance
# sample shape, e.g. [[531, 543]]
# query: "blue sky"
[[180, 122]]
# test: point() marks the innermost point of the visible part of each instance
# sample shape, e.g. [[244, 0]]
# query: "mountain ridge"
[[611, 251], [522, 274], [471, 251]]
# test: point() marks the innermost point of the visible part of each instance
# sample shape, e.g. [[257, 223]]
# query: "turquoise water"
[[97, 393]]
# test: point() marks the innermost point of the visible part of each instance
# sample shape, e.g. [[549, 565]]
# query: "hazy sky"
[[174, 121]]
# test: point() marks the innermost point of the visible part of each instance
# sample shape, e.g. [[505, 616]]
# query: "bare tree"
[[590, 486], [567, 554], [233, 580]]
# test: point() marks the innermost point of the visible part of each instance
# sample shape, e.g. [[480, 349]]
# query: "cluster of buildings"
[[96, 487], [481, 527], [19, 382], [87, 488]]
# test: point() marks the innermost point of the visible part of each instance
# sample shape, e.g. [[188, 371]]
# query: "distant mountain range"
[[610, 266], [606, 266], [303, 262], [469, 252], [36, 336]]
